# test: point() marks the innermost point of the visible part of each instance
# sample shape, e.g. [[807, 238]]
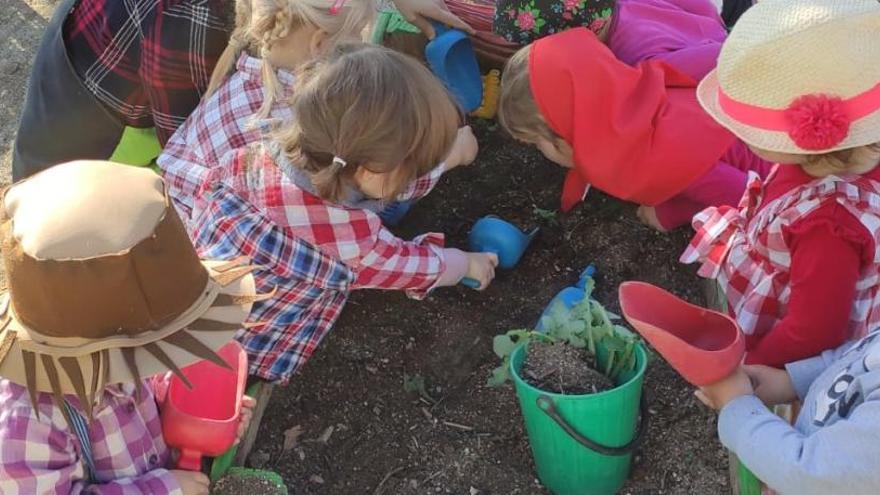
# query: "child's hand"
[[718, 394], [481, 267], [192, 482], [772, 386], [247, 412], [464, 150], [421, 12]]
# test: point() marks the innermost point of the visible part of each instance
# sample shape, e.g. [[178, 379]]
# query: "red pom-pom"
[[817, 122]]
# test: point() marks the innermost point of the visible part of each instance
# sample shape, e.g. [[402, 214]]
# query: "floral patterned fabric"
[[524, 21]]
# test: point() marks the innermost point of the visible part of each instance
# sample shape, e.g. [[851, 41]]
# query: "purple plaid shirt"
[[41, 455]]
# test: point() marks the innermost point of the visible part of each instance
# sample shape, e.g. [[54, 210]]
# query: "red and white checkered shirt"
[[747, 251], [225, 122], [41, 455], [310, 252]]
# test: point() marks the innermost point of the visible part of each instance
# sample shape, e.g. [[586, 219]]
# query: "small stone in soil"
[[238, 485], [562, 369]]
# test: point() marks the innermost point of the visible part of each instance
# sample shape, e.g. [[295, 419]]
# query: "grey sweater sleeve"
[[804, 372], [840, 458]]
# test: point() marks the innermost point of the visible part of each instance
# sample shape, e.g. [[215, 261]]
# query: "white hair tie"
[[342, 163]]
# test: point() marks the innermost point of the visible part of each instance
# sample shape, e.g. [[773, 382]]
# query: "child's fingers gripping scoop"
[[481, 270]]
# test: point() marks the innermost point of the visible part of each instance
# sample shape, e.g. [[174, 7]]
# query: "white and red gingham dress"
[[747, 251]]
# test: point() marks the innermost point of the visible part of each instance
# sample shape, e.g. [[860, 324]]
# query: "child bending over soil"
[[638, 134], [250, 90], [302, 204]]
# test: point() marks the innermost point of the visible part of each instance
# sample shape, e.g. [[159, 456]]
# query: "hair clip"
[[339, 161], [336, 7]]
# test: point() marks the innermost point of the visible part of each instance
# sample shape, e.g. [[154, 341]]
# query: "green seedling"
[[549, 216], [585, 326]]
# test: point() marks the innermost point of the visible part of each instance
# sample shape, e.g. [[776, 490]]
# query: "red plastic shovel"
[[203, 421], [703, 346]]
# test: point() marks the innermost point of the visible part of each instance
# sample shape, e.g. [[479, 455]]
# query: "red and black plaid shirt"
[[148, 61]]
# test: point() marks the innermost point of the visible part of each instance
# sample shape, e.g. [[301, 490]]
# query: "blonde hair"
[[518, 112], [858, 160], [259, 24], [370, 107]]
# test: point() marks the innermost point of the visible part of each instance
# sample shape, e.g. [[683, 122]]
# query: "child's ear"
[[319, 41]]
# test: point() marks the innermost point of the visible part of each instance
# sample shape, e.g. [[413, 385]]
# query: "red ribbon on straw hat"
[[814, 122]]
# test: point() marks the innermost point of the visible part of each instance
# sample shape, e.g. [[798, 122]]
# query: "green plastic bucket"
[[583, 444]]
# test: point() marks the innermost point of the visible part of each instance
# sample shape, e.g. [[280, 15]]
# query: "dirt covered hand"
[[421, 12], [481, 267], [464, 150], [247, 412], [773, 386], [192, 482], [718, 394]]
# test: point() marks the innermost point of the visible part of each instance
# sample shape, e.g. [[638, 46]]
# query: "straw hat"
[[104, 285], [800, 76]]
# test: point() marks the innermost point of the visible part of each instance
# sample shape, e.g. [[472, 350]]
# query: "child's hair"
[[517, 111], [259, 24], [368, 106], [858, 160]]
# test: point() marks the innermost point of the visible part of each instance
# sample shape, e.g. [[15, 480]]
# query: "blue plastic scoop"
[[569, 297], [493, 235], [451, 57]]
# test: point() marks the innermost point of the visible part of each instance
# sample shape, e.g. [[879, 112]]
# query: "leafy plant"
[[585, 326], [549, 216]]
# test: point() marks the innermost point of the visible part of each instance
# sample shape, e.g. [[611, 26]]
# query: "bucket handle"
[[545, 404]]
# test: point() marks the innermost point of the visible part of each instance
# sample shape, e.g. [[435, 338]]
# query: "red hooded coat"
[[638, 133]]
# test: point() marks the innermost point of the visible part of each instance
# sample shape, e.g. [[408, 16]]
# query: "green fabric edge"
[[391, 22]]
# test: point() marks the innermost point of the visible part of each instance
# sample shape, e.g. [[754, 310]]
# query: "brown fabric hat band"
[[126, 294]]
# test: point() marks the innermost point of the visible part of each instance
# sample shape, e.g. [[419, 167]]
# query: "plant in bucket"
[[579, 384]]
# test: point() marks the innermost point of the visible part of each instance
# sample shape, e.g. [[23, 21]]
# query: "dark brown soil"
[[388, 441], [238, 485], [562, 369]]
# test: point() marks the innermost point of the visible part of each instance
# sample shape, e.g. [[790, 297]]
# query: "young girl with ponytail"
[[300, 204], [252, 84]]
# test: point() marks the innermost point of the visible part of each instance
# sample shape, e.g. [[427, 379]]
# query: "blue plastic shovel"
[[451, 57], [493, 235]]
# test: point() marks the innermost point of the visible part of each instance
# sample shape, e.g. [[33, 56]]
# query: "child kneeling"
[[636, 133]]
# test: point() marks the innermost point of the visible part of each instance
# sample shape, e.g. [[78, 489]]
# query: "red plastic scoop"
[[703, 346], [204, 420]]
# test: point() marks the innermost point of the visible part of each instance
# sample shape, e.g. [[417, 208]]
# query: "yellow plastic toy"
[[491, 90]]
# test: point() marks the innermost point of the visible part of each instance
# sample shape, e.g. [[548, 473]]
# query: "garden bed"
[[353, 429], [362, 432]]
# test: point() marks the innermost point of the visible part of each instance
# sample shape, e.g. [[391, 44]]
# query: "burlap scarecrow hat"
[[104, 285], [800, 76]]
